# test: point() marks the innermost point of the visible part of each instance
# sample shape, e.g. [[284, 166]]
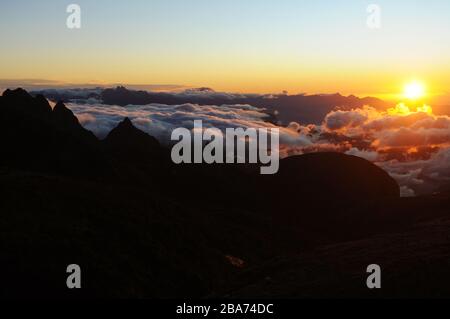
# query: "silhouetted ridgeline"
[[140, 226], [285, 108]]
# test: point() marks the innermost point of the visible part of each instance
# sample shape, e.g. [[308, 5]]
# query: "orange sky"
[[251, 46]]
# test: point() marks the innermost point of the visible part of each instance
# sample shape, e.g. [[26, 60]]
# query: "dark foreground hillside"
[[414, 263], [140, 226]]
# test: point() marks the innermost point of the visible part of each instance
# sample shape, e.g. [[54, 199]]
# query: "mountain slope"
[[141, 226], [414, 264]]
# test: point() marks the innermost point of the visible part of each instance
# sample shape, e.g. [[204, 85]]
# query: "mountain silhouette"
[[66, 121], [333, 175], [20, 100], [36, 137], [127, 136], [288, 108], [137, 155], [141, 226]]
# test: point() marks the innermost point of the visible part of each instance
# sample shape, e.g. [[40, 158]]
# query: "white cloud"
[[160, 120], [414, 148]]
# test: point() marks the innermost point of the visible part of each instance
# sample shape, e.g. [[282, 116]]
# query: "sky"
[[258, 46]]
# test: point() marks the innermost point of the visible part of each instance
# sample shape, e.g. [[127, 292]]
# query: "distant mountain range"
[[309, 109], [141, 226]]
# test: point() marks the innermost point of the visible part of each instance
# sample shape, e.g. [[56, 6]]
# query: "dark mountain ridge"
[[141, 226]]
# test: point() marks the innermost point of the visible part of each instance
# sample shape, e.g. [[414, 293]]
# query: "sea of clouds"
[[414, 147]]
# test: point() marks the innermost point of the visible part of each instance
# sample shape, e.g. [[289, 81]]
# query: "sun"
[[414, 90]]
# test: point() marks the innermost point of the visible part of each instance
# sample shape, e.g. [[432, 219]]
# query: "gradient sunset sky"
[[259, 46]]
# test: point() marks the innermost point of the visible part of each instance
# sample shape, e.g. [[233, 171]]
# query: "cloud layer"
[[160, 120], [413, 146]]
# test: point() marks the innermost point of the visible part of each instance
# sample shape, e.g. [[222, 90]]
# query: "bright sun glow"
[[414, 90], [402, 109]]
